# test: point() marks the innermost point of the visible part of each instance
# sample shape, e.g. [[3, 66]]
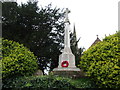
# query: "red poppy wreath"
[[65, 64]]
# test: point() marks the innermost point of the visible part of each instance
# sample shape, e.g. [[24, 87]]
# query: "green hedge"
[[47, 82], [38, 82], [17, 60], [102, 62]]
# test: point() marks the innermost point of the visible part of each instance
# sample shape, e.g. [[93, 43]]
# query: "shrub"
[[102, 62], [83, 82], [17, 60], [50, 81], [38, 82]]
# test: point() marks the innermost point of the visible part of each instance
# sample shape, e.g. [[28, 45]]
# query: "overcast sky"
[[91, 17]]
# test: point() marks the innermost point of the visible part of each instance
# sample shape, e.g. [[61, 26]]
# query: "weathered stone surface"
[[71, 74], [38, 73], [66, 69]]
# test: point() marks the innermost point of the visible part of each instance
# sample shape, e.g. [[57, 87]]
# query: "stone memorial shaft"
[[67, 57], [67, 35]]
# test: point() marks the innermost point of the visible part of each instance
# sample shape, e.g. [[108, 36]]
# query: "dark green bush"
[[38, 82], [83, 83], [48, 82], [17, 60], [102, 62]]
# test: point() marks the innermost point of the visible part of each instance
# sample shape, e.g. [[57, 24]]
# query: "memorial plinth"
[[66, 59]]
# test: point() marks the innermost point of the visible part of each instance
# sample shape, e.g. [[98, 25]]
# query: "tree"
[[102, 62], [74, 47], [40, 29]]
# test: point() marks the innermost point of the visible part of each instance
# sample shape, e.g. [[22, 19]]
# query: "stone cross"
[[67, 58], [67, 11], [67, 34]]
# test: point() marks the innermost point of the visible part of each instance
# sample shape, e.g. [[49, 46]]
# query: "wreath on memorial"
[[65, 64]]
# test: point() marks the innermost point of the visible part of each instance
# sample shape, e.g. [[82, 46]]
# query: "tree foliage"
[[102, 62], [17, 60], [74, 47], [40, 29]]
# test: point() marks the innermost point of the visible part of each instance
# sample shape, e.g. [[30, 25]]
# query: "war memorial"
[[66, 63]]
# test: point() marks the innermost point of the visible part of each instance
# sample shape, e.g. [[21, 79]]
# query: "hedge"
[[38, 82], [48, 82]]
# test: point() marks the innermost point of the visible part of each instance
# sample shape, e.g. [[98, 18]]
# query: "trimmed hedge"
[[102, 62], [47, 82], [38, 82], [17, 60]]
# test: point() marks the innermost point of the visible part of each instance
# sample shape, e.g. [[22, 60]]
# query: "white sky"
[[91, 17]]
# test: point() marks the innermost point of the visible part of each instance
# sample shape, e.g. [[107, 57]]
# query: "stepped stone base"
[[68, 72], [66, 69]]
